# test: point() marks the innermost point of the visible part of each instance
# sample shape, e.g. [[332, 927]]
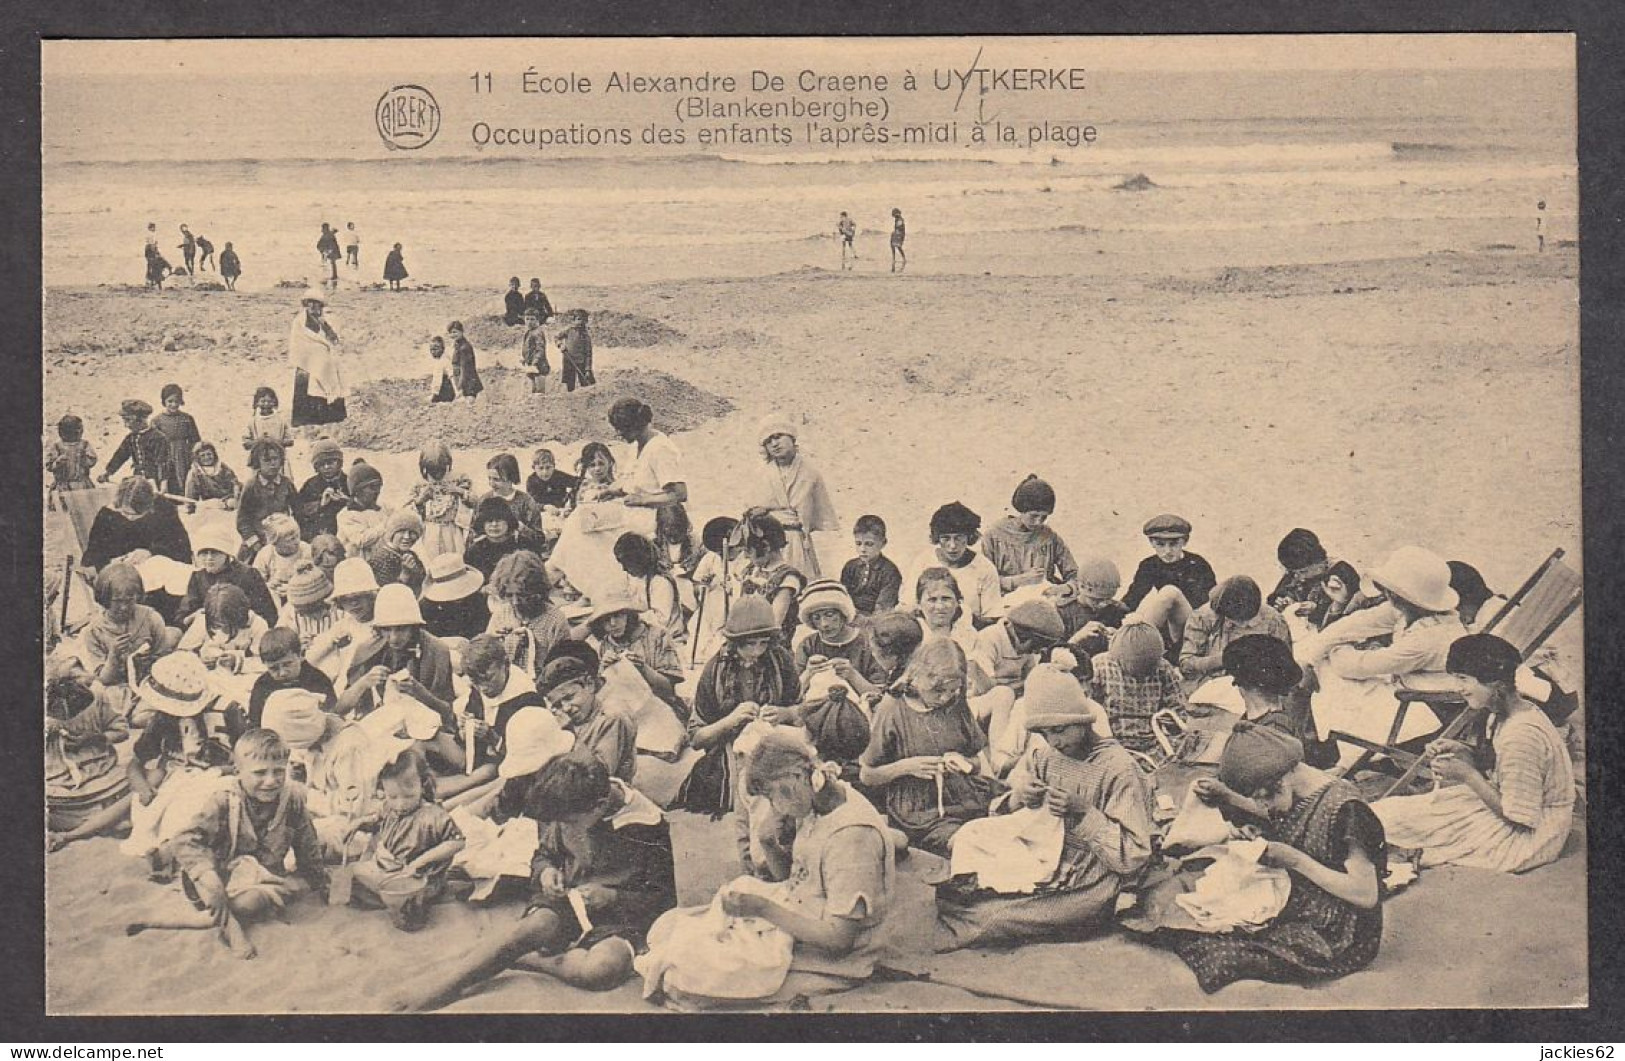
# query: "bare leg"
[[602, 967], [473, 796], [539, 930], [96, 824], [1167, 610]]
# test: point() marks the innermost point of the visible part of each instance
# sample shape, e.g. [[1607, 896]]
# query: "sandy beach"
[[1426, 399]]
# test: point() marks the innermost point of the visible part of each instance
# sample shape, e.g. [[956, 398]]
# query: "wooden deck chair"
[[1528, 618]]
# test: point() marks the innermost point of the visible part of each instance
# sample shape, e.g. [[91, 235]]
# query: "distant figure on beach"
[[533, 351], [395, 268], [465, 373], [157, 267], [849, 232], [318, 379], [513, 303], [231, 267], [1540, 227], [205, 253], [897, 235], [352, 246], [188, 249], [327, 245], [575, 351], [534, 299]]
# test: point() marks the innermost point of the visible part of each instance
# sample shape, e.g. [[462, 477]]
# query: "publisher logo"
[[408, 117]]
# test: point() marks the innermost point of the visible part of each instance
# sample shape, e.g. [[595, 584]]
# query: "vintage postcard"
[[585, 525]]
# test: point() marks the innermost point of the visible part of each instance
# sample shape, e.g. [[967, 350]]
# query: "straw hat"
[[218, 536], [1419, 576], [534, 738], [297, 715], [750, 617], [308, 586], [613, 603], [314, 294], [449, 579], [396, 607], [178, 686], [353, 576]]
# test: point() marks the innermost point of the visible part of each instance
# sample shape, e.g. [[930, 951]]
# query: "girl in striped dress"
[[1517, 815]]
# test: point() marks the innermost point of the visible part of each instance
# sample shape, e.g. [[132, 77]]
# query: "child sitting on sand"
[[309, 611], [496, 534], [833, 641], [441, 387], [232, 855], [393, 558], [1023, 547], [654, 589], [359, 523], [465, 373], [1094, 612], [124, 629], [871, 578], [550, 487], [1171, 583], [285, 554], [502, 478], [513, 303], [769, 574], [70, 457], [225, 633], [954, 529], [266, 493], [571, 683], [325, 494], [267, 422], [412, 837], [285, 668], [441, 500], [231, 267], [603, 845], [522, 612], [1133, 681], [210, 479], [618, 631]]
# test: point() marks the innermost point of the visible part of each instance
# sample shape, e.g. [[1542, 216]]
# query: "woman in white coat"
[[318, 377]]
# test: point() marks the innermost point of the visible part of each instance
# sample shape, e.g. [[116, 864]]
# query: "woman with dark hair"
[[1517, 814], [955, 530], [651, 585], [136, 521], [1319, 831], [769, 575], [654, 479]]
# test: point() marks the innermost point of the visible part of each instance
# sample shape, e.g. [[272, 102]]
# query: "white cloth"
[[494, 851], [1012, 853], [585, 551], [627, 692], [661, 462], [702, 951], [316, 355], [978, 583], [1236, 892]]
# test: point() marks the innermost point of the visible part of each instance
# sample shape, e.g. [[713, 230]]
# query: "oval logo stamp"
[[408, 117]]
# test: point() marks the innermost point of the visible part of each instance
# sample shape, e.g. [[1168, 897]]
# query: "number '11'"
[[477, 78]]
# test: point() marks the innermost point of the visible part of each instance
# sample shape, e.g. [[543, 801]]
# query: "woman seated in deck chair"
[[1355, 685], [1516, 815]]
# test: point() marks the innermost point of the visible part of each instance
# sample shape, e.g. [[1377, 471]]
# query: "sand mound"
[[395, 414], [613, 328], [1137, 183]]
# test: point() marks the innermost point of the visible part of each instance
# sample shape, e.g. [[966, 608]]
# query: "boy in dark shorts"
[[605, 851]]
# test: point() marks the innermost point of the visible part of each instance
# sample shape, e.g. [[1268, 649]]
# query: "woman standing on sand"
[[394, 268], [318, 380], [327, 245]]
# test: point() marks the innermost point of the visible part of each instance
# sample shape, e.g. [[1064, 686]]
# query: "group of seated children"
[[405, 688]]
